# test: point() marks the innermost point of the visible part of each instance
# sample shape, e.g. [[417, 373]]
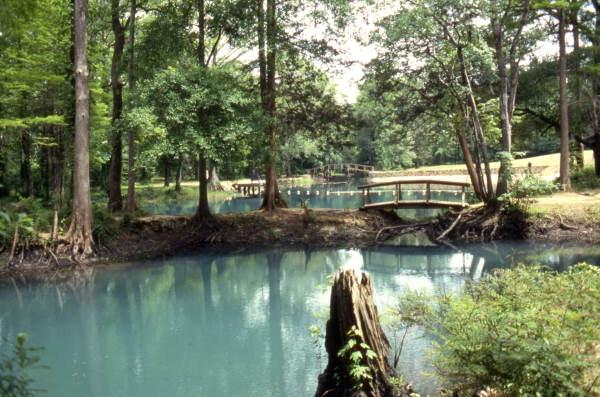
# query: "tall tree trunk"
[[577, 148], [26, 177], [564, 105], [596, 89], [4, 191], [477, 127], [505, 124], [80, 230], [131, 205], [115, 199], [464, 146], [166, 171], [178, 175], [203, 210], [272, 198], [56, 160]]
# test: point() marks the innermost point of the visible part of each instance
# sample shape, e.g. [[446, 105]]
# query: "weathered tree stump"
[[352, 306]]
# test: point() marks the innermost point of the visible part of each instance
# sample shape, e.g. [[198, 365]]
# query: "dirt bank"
[[158, 236]]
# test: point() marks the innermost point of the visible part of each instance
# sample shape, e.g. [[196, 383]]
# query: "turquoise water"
[[334, 195], [229, 323]]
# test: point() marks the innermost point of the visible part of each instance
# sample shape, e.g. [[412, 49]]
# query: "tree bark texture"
[[203, 210], [478, 135], [505, 124], [272, 199], [80, 230], [564, 104], [352, 305], [115, 199], [577, 149], [131, 205]]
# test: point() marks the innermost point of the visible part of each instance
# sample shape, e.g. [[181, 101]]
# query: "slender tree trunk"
[[577, 148], [3, 166], [464, 146], [178, 175], [131, 205], [203, 210], [477, 128], [80, 230], [596, 89], [115, 199], [272, 198], [26, 177], [167, 171], [505, 124], [564, 105], [56, 154]]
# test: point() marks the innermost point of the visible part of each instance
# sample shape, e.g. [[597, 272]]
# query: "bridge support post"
[[463, 198], [427, 193]]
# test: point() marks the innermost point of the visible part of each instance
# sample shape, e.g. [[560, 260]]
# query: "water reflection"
[[224, 324], [334, 195]]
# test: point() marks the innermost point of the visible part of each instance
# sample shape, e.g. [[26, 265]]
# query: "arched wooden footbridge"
[[422, 184], [348, 169]]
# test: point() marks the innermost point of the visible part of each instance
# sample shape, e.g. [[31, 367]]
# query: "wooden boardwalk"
[[427, 202], [327, 170]]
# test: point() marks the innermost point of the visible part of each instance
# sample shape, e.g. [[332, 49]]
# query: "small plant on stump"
[[356, 355]]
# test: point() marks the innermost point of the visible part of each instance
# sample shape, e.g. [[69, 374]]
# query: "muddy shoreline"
[[163, 236]]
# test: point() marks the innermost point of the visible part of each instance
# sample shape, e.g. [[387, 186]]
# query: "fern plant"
[[356, 354]]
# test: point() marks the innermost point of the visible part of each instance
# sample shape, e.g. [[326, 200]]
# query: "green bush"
[[525, 332], [15, 360], [9, 223], [532, 186], [584, 178], [105, 225]]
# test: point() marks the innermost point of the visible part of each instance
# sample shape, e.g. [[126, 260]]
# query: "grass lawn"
[[552, 161]]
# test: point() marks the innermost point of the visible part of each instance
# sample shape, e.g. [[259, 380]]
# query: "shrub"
[[585, 178], [105, 225], [20, 225], [532, 186], [14, 363], [525, 332]]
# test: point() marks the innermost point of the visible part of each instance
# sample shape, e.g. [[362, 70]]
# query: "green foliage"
[[584, 178], [532, 186], [105, 225], [16, 359], [10, 224], [356, 355], [525, 332]]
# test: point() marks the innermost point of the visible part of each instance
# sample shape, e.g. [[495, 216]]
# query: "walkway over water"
[[345, 168], [445, 185]]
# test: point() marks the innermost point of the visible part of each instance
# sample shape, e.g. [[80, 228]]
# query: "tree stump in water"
[[353, 326]]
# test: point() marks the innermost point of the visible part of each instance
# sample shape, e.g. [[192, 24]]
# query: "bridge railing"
[[397, 184], [348, 167]]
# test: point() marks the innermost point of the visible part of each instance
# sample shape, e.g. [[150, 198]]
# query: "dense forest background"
[[180, 89]]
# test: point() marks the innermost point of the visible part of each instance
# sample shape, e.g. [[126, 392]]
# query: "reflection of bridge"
[[345, 168], [427, 202]]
